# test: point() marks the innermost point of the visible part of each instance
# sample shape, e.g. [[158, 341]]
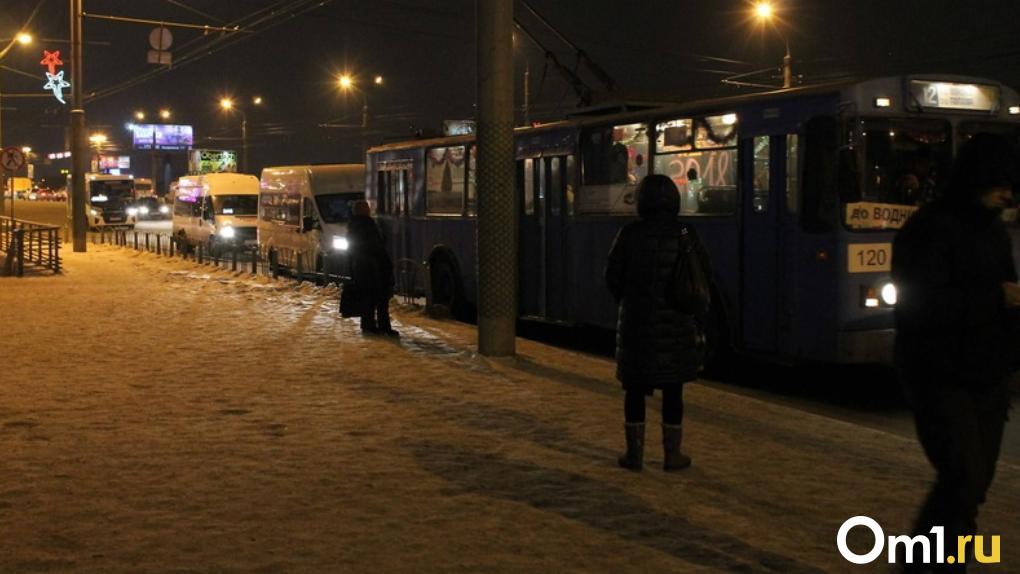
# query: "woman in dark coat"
[[372, 270], [656, 342]]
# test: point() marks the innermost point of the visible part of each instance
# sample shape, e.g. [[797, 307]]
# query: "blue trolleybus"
[[796, 193]]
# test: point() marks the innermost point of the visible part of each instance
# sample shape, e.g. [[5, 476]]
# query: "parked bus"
[[109, 201], [796, 193]]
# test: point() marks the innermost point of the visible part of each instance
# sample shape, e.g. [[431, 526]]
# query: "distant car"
[[151, 208]]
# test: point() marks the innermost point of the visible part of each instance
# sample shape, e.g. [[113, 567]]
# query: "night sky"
[[426, 52]]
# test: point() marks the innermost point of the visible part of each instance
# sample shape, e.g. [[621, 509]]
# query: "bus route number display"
[[869, 257]]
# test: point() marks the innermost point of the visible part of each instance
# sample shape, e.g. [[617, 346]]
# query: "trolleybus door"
[[761, 161], [542, 270]]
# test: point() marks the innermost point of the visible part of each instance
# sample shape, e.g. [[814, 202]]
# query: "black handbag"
[[691, 291], [350, 300]]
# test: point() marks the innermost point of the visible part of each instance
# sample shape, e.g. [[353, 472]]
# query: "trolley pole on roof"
[[497, 216]]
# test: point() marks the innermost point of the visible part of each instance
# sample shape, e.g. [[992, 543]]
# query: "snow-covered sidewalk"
[[161, 416]]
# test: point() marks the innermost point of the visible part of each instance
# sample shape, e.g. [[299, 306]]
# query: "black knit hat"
[[657, 196], [984, 161]]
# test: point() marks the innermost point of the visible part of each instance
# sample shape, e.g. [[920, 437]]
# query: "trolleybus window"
[[614, 159], [445, 181], [472, 194], [702, 164], [792, 172], [761, 174], [392, 188], [903, 164]]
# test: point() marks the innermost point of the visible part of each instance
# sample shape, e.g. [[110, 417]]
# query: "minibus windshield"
[[336, 207], [236, 204]]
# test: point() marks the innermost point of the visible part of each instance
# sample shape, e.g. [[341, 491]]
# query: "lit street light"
[[24, 39], [766, 13], [228, 106]]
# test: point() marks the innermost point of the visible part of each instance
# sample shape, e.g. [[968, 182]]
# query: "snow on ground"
[[161, 416]]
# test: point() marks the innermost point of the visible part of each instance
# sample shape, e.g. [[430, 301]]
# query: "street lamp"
[[97, 140], [766, 13], [347, 84], [24, 39], [228, 105]]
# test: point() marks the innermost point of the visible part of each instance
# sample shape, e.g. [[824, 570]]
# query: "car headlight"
[[143, 210], [340, 243], [164, 209], [889, 294], [227, 232], [132, 211], [93, 212]]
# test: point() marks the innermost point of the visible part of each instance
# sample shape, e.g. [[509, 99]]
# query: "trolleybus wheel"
[[445, 290]]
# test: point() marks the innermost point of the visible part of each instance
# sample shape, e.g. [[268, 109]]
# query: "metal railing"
[[267, 262], [27, 242]]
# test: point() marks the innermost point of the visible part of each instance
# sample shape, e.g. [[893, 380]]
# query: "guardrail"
[[409, 274], [27, 242]]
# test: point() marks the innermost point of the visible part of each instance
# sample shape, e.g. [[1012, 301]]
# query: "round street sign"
[[160, 38], [11, 159]]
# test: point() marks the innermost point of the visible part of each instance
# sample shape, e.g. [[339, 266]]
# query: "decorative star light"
[[51, 60], [57, 84]]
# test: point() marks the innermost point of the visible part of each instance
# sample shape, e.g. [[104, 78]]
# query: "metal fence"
[[255, 261], [29, 243]]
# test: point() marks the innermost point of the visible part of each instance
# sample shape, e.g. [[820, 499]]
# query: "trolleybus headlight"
[[889, 294], [227, 232], [132, 211], [340, 243]]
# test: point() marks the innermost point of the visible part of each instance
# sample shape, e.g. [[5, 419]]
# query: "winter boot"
[[673, 459], [633, 459]]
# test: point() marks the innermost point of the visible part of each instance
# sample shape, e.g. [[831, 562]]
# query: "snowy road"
[[262, 433]]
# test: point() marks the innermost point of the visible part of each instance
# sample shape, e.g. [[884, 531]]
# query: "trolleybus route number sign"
[[11, 158]]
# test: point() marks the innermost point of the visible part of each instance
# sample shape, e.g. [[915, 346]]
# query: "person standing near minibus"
[[656, 337], [956, 326], [372, 270]]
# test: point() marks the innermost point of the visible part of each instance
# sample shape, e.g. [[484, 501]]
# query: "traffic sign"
[[11, 159]]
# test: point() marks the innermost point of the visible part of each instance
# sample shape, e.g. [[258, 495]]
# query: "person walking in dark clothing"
[[956, 321], [372, 270], [656, 340]]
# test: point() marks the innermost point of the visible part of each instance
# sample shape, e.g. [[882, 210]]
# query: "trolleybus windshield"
[[900, 166]]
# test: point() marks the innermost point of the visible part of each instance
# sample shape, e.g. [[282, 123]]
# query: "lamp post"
[[765, 14], [228, 105], [164, 114], [348, 84], [97, 141], [24, 39]]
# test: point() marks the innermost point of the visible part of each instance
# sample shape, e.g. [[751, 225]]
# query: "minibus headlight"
[[889, 294], [340, 243], [227, 232], [132, 211]]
